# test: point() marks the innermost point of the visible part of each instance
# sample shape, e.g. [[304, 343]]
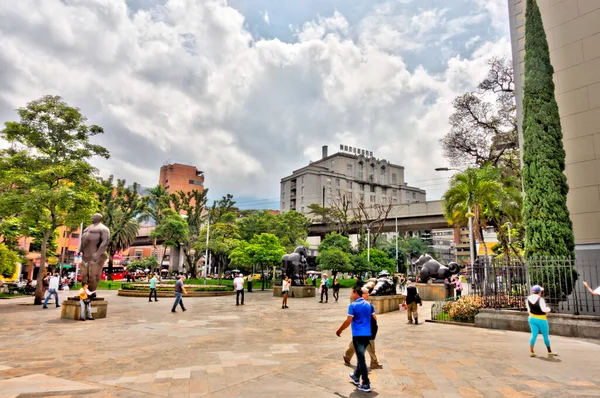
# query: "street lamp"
[[508, 225], [368, 227], [471, 243], [206, 255]]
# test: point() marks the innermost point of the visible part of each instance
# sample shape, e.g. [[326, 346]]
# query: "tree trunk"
[[111, 260], [39, 289]]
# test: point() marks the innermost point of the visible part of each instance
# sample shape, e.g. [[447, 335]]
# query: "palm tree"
[[473, 193], [122, 235]]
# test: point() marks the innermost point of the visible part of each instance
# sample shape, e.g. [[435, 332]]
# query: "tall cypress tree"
[[548, 226]]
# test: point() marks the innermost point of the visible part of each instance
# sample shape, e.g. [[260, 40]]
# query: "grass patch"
[[103, 285], [146, 288], [11, 295]]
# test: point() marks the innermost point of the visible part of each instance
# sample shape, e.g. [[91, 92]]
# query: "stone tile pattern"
[[218, 349]]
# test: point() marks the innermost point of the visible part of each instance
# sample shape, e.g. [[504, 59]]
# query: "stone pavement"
[[259, 350]]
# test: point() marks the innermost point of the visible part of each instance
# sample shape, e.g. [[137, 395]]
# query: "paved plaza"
[[259, 350]]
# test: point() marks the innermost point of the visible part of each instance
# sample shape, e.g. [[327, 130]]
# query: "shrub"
[[465, 309]]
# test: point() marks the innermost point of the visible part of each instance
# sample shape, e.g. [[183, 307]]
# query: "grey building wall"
[[573, 31], [344, 176]]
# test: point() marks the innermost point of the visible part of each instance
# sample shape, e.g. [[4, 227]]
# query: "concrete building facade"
[[573, 31], [354, 178]]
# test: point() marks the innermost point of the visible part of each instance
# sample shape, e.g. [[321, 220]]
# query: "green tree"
[[335, 260], [120, 207], [53, 183], [158, 200], [379, 261], [475, 190], [223, 238], [150, 263], [8, 261], [335, 241], [192, 205], [172, 230], [548, 226], [263, 250], [360, 265], [291, 228]]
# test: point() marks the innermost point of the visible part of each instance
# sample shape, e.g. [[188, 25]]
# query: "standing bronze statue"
[[94, 243]]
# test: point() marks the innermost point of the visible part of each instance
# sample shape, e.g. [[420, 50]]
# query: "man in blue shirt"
[[359, 316]]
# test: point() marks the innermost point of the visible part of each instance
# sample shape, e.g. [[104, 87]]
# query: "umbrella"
[[146, 270], [236, 270], [313, 272]]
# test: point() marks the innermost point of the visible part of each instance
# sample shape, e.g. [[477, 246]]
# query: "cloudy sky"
[[249, 90]]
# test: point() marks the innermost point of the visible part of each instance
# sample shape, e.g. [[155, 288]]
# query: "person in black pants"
[[324, 288], [336, 289]]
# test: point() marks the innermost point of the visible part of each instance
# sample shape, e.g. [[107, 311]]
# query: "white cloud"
[[266, 17], [186, 81], [428, 20], [472, 41]]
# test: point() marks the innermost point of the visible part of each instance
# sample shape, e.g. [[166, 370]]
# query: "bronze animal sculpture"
[[432, 269], [294, 265], [382, 285]]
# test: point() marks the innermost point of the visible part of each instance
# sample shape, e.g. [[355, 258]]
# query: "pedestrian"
[[285, 290], [359, 316], [371, 347], [324, 288], [411, 299], [85, 302], [594, 292], [336, 289], [46, 282], [448, 287], [238, 285], [314, 280], [457, 285], [153, 288], [179, 291], [538, 320], [53, 285]]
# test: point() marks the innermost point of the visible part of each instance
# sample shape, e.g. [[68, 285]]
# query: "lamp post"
[[206, 255], [471, 243], [397, 244], [508, 225]]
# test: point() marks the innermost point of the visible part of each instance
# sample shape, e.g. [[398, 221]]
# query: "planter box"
[[297, 291], [385, 304], [582, 326], [71, 309], [431, 291]]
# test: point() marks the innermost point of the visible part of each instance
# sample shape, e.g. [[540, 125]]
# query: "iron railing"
[[506, 284]]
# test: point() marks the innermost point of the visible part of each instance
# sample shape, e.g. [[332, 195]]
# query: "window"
[[384, 200], [196, 182], [394, 178], [372, 188], [362, 187], [283, 204], [337, 182], [382, 173], [329, 201], [349, 169], [414, 195], [359, 172], [74, 236], [138, 254], [372, 170], [395, 200], [384, 191], [333, 164], [338, 193], [395, 192], [362, 198], [302, 179], [349, 183], [372, 198], [302, 209]]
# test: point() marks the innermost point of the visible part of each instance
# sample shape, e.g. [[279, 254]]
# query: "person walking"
[[594, 292], [238, 285], [336, 289], [359, 316], [324, 288], [314, 280], [85, 302], [457, 285], [153, 281], [538, 320], [410, 300], [53, 285], [179, 292], [371, 347], [285, 290]]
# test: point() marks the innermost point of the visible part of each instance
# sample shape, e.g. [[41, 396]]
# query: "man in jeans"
[[238, 285], [371, 347], [359, 316], [52, 290], [153, 288], [179, 291]]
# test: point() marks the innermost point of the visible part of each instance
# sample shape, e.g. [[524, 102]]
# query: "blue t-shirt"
[[361, 311]]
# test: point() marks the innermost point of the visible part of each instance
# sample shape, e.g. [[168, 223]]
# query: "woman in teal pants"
[[538, 320]]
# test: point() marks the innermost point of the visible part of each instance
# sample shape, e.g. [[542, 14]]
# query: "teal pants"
[[538, 326]]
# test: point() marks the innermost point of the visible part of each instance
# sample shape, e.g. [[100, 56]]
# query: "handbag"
[[87, 301]]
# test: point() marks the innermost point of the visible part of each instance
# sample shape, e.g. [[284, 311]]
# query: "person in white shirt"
[[594, 292], [238, 285], [52, 290], [285, 290]]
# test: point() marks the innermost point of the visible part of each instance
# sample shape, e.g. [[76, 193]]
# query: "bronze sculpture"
[[94, 242], [382, 285], [294, 265], [432, 269]]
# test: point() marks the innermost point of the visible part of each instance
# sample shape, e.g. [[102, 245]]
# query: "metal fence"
[[503, 284]]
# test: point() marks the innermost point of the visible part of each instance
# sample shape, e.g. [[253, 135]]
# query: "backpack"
[[374, 326]]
